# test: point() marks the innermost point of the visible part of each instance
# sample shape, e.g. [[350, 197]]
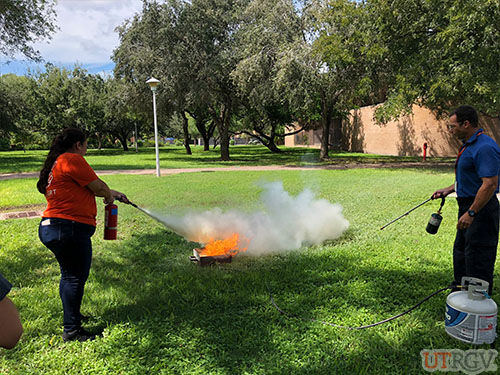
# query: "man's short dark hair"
[[466, 113]]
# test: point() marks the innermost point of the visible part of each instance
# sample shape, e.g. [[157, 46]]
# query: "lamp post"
[[153, 82]]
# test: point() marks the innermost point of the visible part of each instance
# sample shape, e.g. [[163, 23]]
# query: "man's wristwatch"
[[471, 213]]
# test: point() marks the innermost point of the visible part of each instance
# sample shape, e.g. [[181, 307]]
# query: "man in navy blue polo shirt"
[[476, 183]]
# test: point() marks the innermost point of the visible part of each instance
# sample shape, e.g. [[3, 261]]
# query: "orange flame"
[[228, 246]]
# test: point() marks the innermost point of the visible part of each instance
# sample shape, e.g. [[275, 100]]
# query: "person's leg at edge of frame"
[[11, 328], [481, 240]]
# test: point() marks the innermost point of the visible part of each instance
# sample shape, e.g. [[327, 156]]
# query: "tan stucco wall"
[[404, 137]]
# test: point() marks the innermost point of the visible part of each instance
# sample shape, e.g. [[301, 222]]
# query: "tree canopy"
[[23, 22], [260, 66], [440, 53]]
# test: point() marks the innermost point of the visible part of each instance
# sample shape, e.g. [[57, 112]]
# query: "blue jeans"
[[71, 244]]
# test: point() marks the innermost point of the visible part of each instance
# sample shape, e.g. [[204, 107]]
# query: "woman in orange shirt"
[[70, 186]]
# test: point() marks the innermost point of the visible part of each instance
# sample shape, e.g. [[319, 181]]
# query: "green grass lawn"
[[160, 314], [175, 157]]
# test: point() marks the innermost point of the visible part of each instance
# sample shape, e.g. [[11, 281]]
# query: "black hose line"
[[290, 315], [353, 328]]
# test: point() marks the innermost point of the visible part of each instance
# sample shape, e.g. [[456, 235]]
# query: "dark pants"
[[70, 242], [475, 248]]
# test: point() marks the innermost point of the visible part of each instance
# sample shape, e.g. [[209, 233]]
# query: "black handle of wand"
[[128, 202]]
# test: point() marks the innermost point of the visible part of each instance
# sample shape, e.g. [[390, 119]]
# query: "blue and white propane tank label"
[[469, 327]]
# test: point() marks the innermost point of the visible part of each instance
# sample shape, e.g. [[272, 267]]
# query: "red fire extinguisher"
[[110, 221]]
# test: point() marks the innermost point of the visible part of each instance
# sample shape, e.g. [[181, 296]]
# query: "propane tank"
[[435, 220], [471, 315], [110, 221]]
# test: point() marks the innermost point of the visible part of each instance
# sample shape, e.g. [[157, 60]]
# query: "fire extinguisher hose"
[[290, 315]]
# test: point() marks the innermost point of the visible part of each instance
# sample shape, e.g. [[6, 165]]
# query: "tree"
[[87, 99], [327, 68], [348, 54], [266, 27], [149, 46], [52, 95], [120, 115], [441, 54], [23, 22], [209, 33], [9, 109], [203, 123], [190, 46], [67, 98]]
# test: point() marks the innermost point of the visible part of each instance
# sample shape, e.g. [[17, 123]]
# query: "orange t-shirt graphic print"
[[67, 195]]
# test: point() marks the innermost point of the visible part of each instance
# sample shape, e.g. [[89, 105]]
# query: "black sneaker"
[[78, 335]]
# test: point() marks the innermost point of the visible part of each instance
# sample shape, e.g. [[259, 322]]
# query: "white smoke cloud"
[[286, 223]]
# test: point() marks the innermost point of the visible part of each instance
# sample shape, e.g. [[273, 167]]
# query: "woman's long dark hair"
[[61, 143]]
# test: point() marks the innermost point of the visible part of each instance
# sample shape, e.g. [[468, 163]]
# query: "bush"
[[147, 143], [35, 146], [4, 144]]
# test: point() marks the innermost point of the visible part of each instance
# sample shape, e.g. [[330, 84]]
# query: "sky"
[[85, 37]]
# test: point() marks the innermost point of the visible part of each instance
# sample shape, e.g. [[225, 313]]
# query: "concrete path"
[[34, 213], [20, 215], [9, 176]]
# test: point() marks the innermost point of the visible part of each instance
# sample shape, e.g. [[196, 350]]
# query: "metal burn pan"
[[206, 260]]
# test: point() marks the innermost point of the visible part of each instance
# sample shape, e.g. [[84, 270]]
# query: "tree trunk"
[[272, 147], [268, 140], [210, 134], [224, 139], [337, 134], [185, 129], [99, 140], [206, 143], [223, 120], [123, 141], [205, 133], [326, 116]]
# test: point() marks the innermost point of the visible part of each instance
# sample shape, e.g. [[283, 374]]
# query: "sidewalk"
[[20, 215], [9, 176], [163, 172]]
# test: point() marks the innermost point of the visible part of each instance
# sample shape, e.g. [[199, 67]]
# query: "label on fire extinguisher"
[[112, 212]]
